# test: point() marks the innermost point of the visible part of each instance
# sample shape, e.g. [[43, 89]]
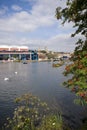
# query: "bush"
[[32, 114]]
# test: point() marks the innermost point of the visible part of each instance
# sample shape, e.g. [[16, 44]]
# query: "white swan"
[[16, 72], [6, 79]]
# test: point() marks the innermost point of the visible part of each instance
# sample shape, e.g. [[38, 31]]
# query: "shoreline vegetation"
[[33, 114], [41, 60], [58, 64]]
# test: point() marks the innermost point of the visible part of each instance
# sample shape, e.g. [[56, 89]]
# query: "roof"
[[14, 46]]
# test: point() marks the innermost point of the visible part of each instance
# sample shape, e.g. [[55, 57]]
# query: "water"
[[43, 81]]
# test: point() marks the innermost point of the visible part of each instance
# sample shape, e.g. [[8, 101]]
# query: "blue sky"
[[33, 23]]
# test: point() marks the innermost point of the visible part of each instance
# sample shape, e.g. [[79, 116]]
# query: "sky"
[[33, 23]]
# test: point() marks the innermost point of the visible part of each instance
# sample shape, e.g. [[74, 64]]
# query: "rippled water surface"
[[43, 81]]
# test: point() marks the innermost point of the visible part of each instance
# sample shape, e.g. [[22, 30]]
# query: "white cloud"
[[29, 0], [62, 42], [23, 21], [66, 26], [19, 22], [3, 10], [42, 14], [16, 8]]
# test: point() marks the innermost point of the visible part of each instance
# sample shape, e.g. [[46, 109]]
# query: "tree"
[[76, 12]]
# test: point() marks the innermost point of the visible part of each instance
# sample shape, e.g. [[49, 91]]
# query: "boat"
[[24, 62]]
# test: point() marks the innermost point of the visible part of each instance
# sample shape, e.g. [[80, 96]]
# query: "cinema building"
[[17, 52]]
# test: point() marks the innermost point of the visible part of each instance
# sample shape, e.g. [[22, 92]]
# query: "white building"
[[13, 48]]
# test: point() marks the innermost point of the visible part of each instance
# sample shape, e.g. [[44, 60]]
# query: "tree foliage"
[[76, 12]]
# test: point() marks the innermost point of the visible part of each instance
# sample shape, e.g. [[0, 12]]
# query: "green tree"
[[76, 12]]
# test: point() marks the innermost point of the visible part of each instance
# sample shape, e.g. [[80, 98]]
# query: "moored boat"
[[24, 62]]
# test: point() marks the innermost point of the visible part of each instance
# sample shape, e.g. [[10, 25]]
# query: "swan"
[[16, 72], [6, 79]]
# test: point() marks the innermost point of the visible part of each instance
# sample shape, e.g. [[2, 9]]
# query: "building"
[[17, 52], [13, 48]]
